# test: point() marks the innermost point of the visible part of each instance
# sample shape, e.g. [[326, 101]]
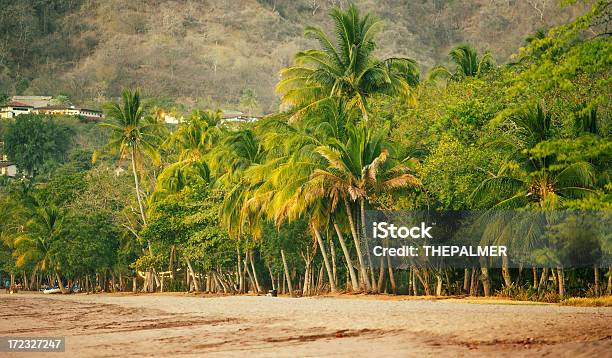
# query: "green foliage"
[[346, 68], [33, 141]]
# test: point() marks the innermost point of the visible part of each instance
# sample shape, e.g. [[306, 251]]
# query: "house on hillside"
[[14, 108], [7, 168], [45, 105], [236, 117], [34, 101], [87, 113]]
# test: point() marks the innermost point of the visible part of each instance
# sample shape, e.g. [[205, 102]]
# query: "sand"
[[108, 325]]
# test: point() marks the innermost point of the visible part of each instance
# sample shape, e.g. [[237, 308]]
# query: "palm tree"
[[533, 180], [355, 171], [530, 181], [34, 244], [345, 68], [132, 135], [193, 140], [467, 63]]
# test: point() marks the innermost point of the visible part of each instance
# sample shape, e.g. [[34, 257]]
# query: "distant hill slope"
[[208, 53]]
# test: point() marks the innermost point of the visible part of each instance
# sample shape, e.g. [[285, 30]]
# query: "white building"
[[8, 169], [91, 114], [13, 109]]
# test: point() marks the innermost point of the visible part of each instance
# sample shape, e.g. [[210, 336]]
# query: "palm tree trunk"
[[137, 186], [287, 277], [506, 272], [391, 276], [271, 276], [332, 253], [138, 196], [330, 275], [240, 273], [486, 280], [561, 279], [609, 290], [381, 275], [365, 239], [543, 279], [364, 275], [596, 274], [59, 283], [347, 257], [254, 272], [248, 271]]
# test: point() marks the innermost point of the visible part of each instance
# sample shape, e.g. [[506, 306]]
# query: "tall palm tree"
[[467, 63], [345, 67], [133, 135], [355, 171]]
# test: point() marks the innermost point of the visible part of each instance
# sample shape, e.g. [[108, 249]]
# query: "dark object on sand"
[[272, 293]]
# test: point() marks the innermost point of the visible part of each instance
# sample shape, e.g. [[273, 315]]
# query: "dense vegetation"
[[197, 54], [281, 203]]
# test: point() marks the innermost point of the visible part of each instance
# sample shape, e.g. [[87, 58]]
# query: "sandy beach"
[[193, 326]]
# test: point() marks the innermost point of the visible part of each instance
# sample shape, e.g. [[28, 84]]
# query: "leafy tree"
[[32, 141]]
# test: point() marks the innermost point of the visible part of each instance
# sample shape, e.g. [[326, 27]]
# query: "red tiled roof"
[[17, 104]]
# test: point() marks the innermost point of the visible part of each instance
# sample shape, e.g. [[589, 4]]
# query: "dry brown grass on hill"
[[206, 53]]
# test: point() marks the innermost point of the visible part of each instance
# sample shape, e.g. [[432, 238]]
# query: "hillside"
[[209, 53]]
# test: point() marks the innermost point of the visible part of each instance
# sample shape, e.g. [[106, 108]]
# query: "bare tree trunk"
[[248, 271], [330, 276], [486, 280], [59, 283], [347, 257], [609, 281], [195, 280], [381, 276], [287, 277], [365, 240], [320, 280], [271, 276], [423, 281], [438, 285], [362, 270], [561, 280], [134, 284], [254, 272], [332, 253], [543, 279], [506, 272], [240, 273], [391, 276], [596, 274], [415, 291], [137, 185], [535, 276], [306, 286], [466, 280]]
